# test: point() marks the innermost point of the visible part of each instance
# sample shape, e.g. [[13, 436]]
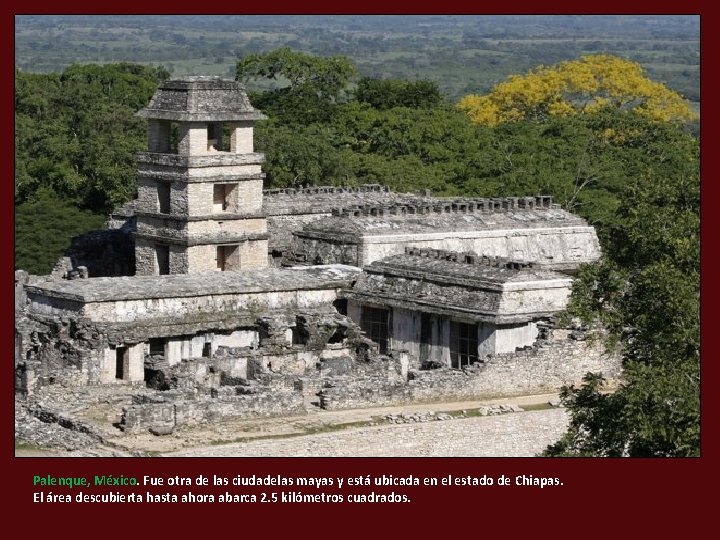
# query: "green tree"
[[388, 93], [646, 291], [297, 156], [76, 133], [43, 229], [583, 85], [76, 136], [325, 76]]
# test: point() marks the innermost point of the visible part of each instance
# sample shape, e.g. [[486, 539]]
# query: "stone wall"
[[151, 164], [219, 226], [147, 198], [249, 194], [145, 310], [316, 250], [200, 199], [254, 254], [281, 230], [167, 415], [552, 246], [537, 370], [202, 259], [145, 261], [290, 209]]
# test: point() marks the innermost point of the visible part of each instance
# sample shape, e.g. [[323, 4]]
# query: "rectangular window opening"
[[225, 198], [174, 137], [120, 357], [228, 258], [162, 253], [163, 192], [463, 344], [217, 137], [157, 347], [375, 322]]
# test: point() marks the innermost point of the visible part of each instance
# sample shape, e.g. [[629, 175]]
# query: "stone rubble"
[[429, 416], [30, 431]]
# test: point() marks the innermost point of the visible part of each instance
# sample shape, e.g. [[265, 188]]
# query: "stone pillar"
[[173, 351], [444, 327], [135, 363], [486, 340], [404, 359], [353, 311], [241, 138], [107, 366], [192, 139]]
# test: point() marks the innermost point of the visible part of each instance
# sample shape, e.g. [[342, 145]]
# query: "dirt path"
[[522, 434]]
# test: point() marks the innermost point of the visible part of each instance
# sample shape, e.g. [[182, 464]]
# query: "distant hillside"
[[462, 54]]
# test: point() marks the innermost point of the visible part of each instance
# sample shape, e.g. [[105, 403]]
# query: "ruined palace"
[[210, 298]]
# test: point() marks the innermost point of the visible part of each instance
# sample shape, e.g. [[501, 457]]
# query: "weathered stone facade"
[[523, 228], [288, 210], [398, 297], [454, 309], [552, 361], [199, 199]]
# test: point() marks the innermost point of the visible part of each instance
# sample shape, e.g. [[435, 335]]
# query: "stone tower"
[[199, 204]]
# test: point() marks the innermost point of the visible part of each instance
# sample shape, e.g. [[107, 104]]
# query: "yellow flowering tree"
[[572, 87]]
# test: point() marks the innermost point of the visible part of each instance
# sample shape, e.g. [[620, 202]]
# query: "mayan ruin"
[[209, 299]]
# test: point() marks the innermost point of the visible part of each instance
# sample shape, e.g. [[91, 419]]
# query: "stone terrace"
[[450, 215], [183, 285], [289, 209]]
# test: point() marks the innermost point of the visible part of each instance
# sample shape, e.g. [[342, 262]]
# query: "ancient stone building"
[[374, 298], [199, 201], [523, 228], [288, 210], [453, 309]]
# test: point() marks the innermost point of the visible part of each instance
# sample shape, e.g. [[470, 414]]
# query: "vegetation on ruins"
[[632, 174]]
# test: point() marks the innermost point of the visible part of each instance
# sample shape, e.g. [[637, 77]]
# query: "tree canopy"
[[646, 292], [388, 93], [76, 136], [76, 133], [572, 87], [326, 76]]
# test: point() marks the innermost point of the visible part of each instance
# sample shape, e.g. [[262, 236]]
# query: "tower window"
[[228, 258], [216, 137], [225, 198], [163, 191], [162, 254]]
